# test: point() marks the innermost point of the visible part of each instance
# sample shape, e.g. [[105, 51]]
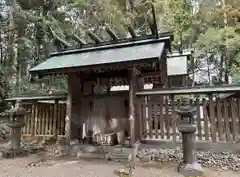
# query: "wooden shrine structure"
[[92, 70], [147, 115]]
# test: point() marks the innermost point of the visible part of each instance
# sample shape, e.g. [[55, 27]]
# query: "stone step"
[[93, 155], [117, 156]]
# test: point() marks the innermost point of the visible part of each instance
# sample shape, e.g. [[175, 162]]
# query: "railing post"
[[187, 126]]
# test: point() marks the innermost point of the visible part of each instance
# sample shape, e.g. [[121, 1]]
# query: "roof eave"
[[191, 90], [82, 68], [37, 98]]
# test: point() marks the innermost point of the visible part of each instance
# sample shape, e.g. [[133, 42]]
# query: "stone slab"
[[194, 169]]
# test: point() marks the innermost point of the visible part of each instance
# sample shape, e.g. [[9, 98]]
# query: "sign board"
[[177, 65]]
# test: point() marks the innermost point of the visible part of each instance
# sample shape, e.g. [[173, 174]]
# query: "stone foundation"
[[10, 153]]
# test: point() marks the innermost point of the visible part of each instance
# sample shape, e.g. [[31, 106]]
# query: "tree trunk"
[[11, 55], [221, 69], [208, 71]]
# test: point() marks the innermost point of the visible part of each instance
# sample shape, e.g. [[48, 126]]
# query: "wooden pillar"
[[68, 113], [138, 110], [55, 119], [131, 107], [132, 104]]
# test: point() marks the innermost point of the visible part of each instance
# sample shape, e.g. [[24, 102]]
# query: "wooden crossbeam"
[[94, 37], [150, 23], [111, 33], [60, 42], [132, 32], [78, 39], [155, 28]]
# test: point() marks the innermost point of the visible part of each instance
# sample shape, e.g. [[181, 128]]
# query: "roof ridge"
[[113, 45]]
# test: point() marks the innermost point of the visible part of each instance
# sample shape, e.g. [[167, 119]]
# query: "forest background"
[[30, 30]]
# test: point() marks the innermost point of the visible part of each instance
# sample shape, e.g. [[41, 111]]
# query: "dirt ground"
[[37, 166]]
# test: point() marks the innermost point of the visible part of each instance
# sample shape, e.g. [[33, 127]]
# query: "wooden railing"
[[216, 119], [45, 119]]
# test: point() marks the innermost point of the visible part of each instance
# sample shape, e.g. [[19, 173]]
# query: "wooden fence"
[[45, 119], [216, 119]]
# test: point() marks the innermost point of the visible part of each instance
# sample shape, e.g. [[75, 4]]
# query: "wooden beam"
[[136, 71], [151, 74], [78, 39], [191, 90], [38, 98], [111, 33], [92, 75], [132, 32], [94, 37]]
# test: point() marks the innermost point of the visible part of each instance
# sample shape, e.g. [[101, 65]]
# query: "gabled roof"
[[132, 51], [128, 50]]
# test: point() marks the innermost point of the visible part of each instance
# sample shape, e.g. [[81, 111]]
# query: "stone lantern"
[[16, 122], [187, 126]]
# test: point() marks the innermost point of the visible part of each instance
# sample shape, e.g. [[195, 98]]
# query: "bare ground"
[[38, 166]]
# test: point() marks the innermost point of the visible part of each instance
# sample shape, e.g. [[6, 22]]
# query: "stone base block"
[[194, 169], [10, 153], [117, 156]]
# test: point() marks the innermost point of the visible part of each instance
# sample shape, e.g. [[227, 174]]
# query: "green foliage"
[[179, 18]]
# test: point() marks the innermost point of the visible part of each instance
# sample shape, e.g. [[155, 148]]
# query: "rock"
[[33, 147], [79, 154], [108, 157], [58, 150], [73, 142], [34, 142], [75, 149], [145, 158], [37, 163], [42, 143], [4, 131], [122, 172], [1, 155], [7, 145]]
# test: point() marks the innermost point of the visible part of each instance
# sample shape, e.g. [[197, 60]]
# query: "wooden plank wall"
[[216, 119], [45, 119]]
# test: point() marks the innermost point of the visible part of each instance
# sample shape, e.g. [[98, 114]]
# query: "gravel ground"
[[23, 167], [208, 159], [157, 163]]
